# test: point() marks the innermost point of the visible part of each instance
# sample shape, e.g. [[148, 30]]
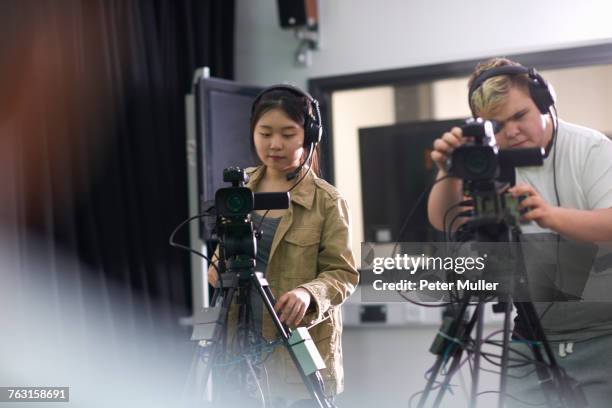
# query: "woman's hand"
[[292, 306]]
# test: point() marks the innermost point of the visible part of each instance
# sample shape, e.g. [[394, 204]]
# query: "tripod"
[[455, 334], [237, 282]]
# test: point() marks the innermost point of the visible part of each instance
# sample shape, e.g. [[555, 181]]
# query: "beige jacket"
[[311, 249]]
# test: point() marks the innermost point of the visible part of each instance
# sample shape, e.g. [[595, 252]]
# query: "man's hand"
[[538, 210], [447, 192], [444, 146], [292, 306], [213, 276]]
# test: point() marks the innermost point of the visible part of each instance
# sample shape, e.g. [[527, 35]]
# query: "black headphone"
[[542, 94], [313, 127]]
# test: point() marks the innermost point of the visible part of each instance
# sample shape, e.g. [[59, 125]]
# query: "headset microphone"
[[293, 174]]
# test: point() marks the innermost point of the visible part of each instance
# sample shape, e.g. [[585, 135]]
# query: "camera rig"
[[487, 172], [237, 280]]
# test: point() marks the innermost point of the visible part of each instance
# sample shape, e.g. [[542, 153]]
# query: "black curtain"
[[92, 135]]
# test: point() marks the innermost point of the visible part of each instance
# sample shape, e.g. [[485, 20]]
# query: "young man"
[[570, 195]]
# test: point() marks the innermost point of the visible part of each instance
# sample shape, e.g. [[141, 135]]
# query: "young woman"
[[304, 251]]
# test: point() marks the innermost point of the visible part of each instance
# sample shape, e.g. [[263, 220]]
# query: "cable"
[[551, 304], [308, 159], [401, 231], [265, 370], [462, 382], [447, 238], [513, 397], [252, 351], [516, 377], [186, 248], [422, 304], [490, 356], [446, 230], [463, 203], [256, 379], [435, 387], [527, 360], [467, 213], [258, 232], [252, 348], [555, 122], [415, 206], [416, 394], [487, 340]]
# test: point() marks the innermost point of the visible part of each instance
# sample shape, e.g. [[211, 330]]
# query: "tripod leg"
[[314, 382], [543, 370], [194, 388], [217, 343], [477, 319], [440, 350], [269, 301], [476, 369], [455, 365], [503, 382], [430, 381]]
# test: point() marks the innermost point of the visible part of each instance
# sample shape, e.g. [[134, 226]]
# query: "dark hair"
[[295, 106]]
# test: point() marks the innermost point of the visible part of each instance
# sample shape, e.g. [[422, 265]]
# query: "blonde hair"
[[488, 98]]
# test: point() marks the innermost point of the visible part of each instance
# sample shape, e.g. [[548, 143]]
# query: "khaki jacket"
[[312, 250]]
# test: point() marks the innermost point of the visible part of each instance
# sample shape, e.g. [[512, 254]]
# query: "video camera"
[[487, 171], [234, 205], [480, 159], [239, 201]]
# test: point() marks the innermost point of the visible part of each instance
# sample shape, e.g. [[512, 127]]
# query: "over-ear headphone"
[[542, 94], [313, 127]]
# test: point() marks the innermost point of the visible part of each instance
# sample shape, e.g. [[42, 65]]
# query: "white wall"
[[352, 110], [366, 35], [584, 95], [450, 99]]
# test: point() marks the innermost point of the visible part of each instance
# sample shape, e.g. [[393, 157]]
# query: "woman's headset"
[[313, 127]]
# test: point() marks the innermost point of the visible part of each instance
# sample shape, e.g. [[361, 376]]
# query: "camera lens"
[[235, 202], [477, 162]]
